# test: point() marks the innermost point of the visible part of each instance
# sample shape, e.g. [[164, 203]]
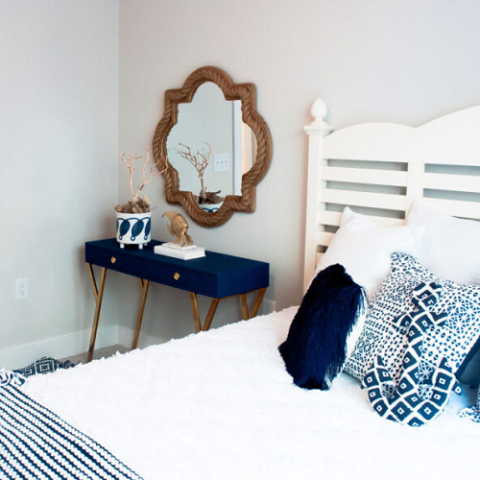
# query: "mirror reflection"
[[211, 147]]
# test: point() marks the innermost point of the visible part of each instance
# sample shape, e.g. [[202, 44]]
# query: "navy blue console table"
[[216, 275]]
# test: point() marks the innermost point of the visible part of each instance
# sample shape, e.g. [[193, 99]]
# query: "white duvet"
[[220, 405]]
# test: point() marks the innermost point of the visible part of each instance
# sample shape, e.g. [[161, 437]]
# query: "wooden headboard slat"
[[363, 199], [457, 183], [363, 175]]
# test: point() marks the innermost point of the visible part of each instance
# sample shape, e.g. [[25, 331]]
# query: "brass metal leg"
[[244, 304], [211, 313], [98, 294], [247, 314], [196, 313], [144, 284], [256, 305], [213, 308], [258, 302]]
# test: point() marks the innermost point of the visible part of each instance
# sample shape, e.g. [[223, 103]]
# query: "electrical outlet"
[[21, 288]]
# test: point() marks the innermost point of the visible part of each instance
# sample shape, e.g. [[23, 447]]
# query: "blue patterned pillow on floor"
[[44, 365], [383, 336]]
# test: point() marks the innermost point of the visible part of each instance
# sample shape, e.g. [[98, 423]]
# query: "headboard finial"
[[319, 111]]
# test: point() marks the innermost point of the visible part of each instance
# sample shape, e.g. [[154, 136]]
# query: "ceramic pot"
[[210, 207], [134, 229]]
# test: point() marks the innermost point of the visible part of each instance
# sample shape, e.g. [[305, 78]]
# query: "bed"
[[220, 404]]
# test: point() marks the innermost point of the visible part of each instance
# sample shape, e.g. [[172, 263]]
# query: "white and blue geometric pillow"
[[416, 399], [383, 336], [404, 403]]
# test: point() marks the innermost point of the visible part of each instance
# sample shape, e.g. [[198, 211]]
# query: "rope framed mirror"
[[216, 145]]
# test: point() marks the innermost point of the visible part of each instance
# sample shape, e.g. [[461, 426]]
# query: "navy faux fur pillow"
[[315, 349]]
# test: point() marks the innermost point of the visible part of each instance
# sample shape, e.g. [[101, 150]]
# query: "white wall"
[[59, 167], [61, 77], [373, 60]]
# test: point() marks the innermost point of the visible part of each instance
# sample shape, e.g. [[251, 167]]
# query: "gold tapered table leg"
[[258, 302], [144, 284], [247, 314], [211, 313], [98, 294], [256, 305], [244, 304], [196, 313]]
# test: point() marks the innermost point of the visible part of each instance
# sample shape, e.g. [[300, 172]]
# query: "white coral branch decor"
[[200, 161], [139, 204]]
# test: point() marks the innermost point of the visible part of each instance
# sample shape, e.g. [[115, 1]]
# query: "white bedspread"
[[221, 405]]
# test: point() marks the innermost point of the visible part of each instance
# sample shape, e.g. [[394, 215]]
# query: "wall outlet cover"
[[21, 288], [221, 162]]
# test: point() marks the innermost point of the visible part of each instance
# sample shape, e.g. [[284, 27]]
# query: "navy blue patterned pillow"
[[385, 337]]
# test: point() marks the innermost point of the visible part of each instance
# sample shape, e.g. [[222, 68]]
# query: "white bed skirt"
[[221, 405]]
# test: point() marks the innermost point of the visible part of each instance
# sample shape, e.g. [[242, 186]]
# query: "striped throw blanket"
[[36, 444]]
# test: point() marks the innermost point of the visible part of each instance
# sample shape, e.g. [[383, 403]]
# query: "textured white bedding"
[[221, 405]]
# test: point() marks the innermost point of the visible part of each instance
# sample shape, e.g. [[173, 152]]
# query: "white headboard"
[[380, 168]]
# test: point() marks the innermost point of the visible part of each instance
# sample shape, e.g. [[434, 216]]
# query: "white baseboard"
[[72, 344], [125, 337], [268, 306]]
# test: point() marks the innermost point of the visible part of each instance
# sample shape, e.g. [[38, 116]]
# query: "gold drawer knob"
[[176, 275], [113, 259]]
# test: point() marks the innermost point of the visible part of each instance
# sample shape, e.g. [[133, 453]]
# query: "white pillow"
[[450, 247], [365, 249]]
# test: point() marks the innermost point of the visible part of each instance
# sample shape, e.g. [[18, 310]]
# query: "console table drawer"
[[161, 270], [184, 279]]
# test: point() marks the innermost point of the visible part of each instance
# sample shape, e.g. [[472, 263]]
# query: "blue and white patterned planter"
[[210, 207], [134, 229]]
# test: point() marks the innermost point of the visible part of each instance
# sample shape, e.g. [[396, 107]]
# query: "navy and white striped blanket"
[[36, 444]]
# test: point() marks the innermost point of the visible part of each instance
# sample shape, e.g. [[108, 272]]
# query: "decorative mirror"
[[216, 145]]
